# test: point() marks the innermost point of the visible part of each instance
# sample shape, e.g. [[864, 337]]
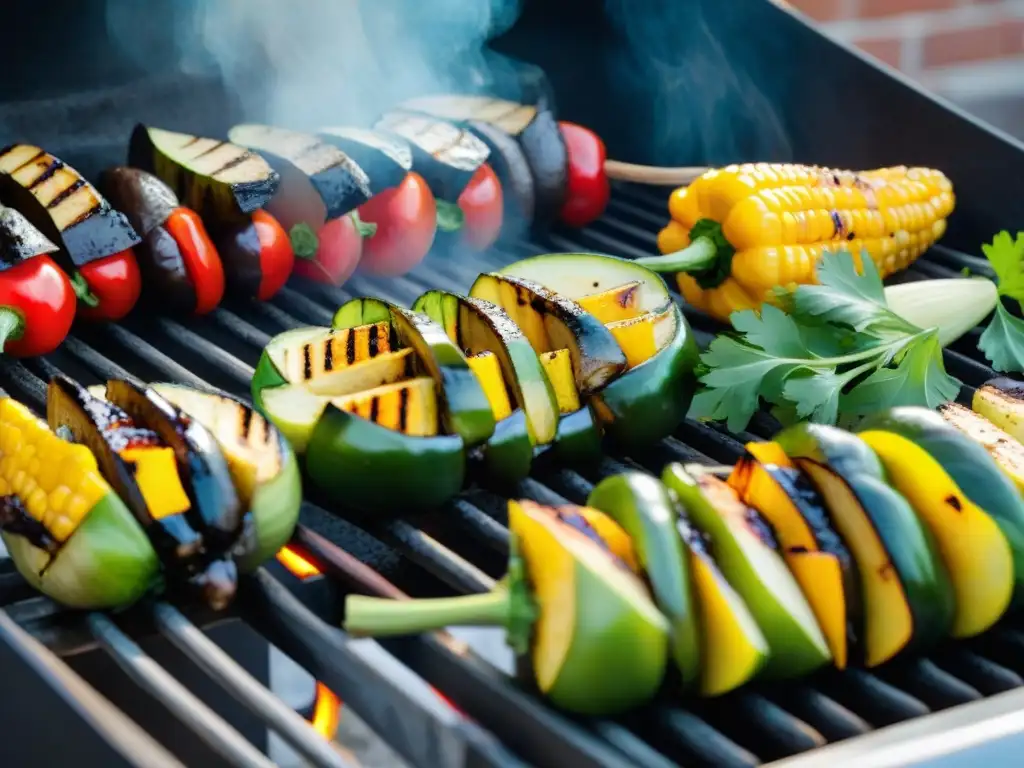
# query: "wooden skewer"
[[653, 174]]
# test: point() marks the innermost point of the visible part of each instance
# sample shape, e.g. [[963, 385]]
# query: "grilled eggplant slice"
[[745, 548], [144, 473], [908, 600], [19, 240], [214, 503], [59, 202], [384, 157], [148, 203], [445, 155], [340, 184], [220, 181], [970, 467], [67, 531], [532, 126], [767, 480], [552, 321], [263, 468]]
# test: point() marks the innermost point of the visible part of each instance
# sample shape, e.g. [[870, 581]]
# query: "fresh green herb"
[[833, 349], [1003, 340]]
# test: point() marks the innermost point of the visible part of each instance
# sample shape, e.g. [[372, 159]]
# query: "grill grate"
[[462, 549]]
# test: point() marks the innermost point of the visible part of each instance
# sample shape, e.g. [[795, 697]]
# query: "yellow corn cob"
[[781, 218], [58, 482]]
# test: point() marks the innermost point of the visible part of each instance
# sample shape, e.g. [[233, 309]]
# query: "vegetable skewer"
[[140, 488], [561, 349], [733, 608]]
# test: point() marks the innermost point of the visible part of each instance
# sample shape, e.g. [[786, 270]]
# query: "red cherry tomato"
[[276, 255], [37, 307], [481, 203], [588, 189], [203, 265], [115, 284], [406, 218], [338, 250]]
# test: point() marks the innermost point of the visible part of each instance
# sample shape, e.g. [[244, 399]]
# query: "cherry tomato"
[[588, 189], [481, 203], [37, 307], [339, 246], [111, 286], [203, 265], [276, 255], [406, 218]]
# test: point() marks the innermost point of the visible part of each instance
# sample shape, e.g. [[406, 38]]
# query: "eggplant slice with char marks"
[[59, 202]]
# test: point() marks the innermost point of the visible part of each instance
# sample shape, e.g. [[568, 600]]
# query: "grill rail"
[[462, 549]]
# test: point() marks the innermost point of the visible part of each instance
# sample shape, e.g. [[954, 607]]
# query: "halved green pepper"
[[649, 398], [516, 385], [644, 509], [383, 406], [596, 643]]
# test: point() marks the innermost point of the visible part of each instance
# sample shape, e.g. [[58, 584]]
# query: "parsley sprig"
[[832, 349], [1003, 340]]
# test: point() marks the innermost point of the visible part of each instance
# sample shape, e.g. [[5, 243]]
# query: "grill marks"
[[68, 197], [510, 117], [318, 356], [220, 160], [443, 141], [338, 180]]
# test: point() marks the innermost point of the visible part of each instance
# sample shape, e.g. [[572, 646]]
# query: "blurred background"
[[969, 51]]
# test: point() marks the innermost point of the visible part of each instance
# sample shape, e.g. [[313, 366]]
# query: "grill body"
[[829, 105]]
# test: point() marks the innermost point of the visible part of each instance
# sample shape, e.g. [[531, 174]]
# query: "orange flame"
[[327, 707], [296, 563]]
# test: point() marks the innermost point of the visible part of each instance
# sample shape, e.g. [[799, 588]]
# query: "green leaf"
[[847, 298], [918, 379], [1003, 341], [450, 217], [816, 396], [304, 241], [773, 331], [1006, 255]]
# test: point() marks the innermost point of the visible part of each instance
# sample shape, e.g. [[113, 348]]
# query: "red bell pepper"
[[37, 307], [109, 287], [588, 188], [202, 263], [277, 259], [482, 206]]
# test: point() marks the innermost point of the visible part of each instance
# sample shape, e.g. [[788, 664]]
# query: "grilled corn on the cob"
[[738, 232]]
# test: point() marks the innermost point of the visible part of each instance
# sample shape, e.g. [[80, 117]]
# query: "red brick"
[[821, 10], [868, 9], [886, 49], [991, 41]]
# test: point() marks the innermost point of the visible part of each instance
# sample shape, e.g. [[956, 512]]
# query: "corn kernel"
[[61, 528], [35, 503], [76, 508], [18, 480], [59, 497]]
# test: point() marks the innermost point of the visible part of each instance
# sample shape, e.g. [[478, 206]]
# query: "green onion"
[[954, 305]]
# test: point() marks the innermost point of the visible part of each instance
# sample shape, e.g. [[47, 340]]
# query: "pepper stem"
[[12, 325], [304, 241], [450, 217], [82, 290], [364, 228], [379, 617], [708, 257], [696, 257]]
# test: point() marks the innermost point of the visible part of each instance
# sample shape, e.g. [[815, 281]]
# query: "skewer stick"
[[653, 174]]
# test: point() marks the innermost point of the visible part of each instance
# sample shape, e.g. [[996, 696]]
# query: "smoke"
[[702, 55], [307, 63]]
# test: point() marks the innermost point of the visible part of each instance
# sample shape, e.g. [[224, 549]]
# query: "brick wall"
[[957, 47]]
